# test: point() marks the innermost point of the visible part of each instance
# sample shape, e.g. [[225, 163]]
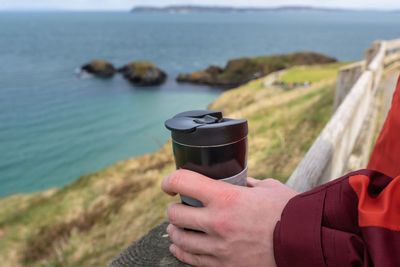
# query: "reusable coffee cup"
[[205, 142]]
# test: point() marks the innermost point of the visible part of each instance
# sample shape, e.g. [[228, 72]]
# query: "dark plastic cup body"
[[216, 162]]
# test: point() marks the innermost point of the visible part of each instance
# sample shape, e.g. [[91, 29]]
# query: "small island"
[[100, 68], [143, 73], [140, 73], [242, 70]]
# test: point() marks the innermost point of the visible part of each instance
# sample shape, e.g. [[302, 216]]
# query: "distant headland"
[[226, 9]]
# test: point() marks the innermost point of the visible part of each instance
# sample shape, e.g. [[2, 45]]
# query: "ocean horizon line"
[[213, 9]]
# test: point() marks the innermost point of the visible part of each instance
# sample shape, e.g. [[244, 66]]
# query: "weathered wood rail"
[[356, 90], [327, 158]]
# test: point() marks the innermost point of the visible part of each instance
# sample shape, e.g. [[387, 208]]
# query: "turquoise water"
[[55, 127]]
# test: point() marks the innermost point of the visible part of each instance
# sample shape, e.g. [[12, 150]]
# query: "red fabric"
[[386, 155], [381, 211], [321, 227]]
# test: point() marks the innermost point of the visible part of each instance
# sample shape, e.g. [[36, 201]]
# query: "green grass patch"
[[313, 74]]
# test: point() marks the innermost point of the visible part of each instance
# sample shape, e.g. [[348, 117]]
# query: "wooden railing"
[[328, 156]]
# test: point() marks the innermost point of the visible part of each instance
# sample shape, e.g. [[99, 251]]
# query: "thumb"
[[193, 185]]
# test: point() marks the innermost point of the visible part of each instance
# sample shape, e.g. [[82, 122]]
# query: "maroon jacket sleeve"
[[351, 221]]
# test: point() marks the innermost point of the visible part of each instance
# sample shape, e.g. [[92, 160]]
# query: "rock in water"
[[143, 73], [99, 68], [241, 70]]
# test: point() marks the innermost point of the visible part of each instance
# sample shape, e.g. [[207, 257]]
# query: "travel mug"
[[205, 142]]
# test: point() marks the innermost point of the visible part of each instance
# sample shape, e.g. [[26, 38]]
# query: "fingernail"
[[172, 248]]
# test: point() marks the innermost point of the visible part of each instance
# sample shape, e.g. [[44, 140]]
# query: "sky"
[[128, 4]]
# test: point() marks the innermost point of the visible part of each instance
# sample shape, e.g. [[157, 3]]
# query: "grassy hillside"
[[90, 221]]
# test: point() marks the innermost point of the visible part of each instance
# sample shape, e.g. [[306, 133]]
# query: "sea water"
[[55, 127]]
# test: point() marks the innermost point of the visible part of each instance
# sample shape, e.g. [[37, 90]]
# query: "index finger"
[[192, 184]]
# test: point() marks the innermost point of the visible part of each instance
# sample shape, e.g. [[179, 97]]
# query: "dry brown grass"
[[282, 124], [44, 242]]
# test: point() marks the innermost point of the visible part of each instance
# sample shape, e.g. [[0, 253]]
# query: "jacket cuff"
[[297, 236]]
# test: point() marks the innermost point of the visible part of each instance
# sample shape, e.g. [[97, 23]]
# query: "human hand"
[[236, 223]]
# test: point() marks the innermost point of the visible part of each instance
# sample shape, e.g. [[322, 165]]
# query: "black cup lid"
[[205, 128]]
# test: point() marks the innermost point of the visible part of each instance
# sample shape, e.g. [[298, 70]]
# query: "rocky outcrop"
[[242, 70], [143, 73], [99, 68]]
